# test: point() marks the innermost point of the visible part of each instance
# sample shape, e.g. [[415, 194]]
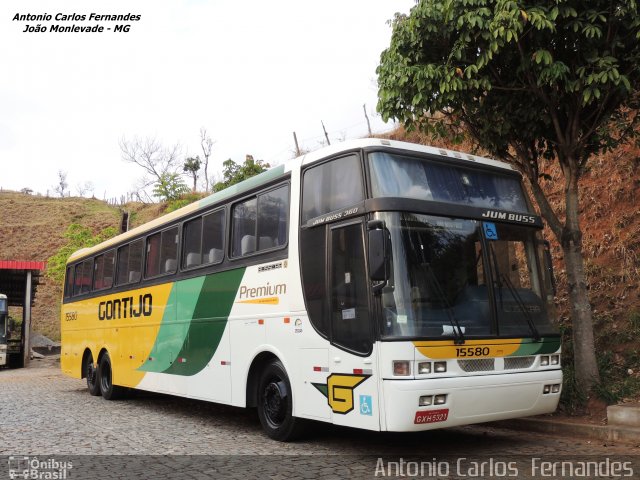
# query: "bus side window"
[[331, 186], [213, 237], [260, 223]]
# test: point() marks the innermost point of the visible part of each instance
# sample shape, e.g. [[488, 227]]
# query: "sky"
[[250, 72]]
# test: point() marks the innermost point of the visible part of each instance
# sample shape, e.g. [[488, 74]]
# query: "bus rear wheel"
[[93, 385], [108, 390], [275, 404]]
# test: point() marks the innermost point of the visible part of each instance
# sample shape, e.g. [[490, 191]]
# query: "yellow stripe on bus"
[[470, 349], [128, 338]]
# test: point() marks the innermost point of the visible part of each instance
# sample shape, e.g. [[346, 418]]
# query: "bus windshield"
[[447, 273], [394, 175]]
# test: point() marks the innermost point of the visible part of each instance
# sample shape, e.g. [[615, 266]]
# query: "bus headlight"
[[424, 368], [401, 368], [425, 401], [440, 367], [544, 360], [440, 399], [555, 359]]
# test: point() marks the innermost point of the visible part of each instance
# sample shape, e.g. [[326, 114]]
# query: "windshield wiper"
[[514, 293], [457, 331]]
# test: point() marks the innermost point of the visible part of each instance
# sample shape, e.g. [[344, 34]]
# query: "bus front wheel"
[[108, 390], [275, 404], [93, 385]]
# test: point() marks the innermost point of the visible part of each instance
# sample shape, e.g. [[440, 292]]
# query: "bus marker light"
[[401, 368], [544, 360], [424, 368], [287, 320], [425, 400], [440, 399], [225, 362], [261, 322], [357, 371], [182, 360], [440, 367]]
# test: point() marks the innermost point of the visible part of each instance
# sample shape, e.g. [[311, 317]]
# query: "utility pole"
[[326, 135], [295, 139], [364, 107]]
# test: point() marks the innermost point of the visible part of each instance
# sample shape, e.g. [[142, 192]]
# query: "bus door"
[[352, 383]]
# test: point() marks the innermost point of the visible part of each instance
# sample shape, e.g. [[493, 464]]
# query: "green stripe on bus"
[[546, 345], [210, 318], [173, 330]]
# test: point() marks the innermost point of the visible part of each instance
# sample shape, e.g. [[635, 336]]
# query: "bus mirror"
[[378, 257], [549, 265]]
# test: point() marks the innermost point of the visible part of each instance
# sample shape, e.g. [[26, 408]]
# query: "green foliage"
[[529, 81], [192, 167], [183, 201], [78, 236], [170, 186], [234, 173], [534, 76]]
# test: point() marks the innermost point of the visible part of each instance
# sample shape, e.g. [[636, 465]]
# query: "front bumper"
[[470, 399]]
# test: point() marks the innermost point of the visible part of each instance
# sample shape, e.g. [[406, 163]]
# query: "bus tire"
[[93, 383], [108, 390], [275, 404]]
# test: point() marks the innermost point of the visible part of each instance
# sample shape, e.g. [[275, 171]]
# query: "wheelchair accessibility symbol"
[[365, 405], [490, 231]]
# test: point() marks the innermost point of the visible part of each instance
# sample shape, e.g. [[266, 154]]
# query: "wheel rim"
[[105, 376], [274, 402], [91, 373]]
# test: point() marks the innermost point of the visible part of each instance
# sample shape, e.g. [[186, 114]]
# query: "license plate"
[[431, 416]]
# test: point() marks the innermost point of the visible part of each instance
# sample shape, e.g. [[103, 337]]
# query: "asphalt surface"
[[50, 422]]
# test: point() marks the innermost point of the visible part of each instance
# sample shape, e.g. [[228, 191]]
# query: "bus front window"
[[440, 280]]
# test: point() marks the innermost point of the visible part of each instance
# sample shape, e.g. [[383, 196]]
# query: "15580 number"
[[472, 351]]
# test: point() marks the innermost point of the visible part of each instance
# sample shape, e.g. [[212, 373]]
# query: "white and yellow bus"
[[375, 284]]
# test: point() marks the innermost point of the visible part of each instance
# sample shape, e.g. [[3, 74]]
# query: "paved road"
[[46, 415]]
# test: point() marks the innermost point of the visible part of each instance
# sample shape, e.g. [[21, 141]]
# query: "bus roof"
[[279, 171]]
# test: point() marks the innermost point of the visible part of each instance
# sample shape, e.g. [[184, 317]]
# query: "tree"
[[207, 145], [170, 187], [61, 187], [531, 82], [84, 188], [234, 173], [156, 160], [192, 167]]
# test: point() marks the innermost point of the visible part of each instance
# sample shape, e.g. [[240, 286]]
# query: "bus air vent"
[[477, 365], [513, 363]]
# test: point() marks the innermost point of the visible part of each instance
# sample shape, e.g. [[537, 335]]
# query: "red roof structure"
[[13, 275]]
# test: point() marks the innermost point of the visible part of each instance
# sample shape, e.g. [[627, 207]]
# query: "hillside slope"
[[32, 228]]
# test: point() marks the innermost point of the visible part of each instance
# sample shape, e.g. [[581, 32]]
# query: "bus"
[[374, 284], [4, 326]]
